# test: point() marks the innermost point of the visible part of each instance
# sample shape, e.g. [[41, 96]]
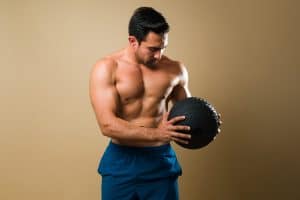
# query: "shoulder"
[[108, 63], [104, 70], [175, 66]]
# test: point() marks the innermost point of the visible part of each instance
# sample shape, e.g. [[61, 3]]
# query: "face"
[[150, 51]]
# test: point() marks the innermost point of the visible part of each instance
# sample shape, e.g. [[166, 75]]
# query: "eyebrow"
[[157, 48]]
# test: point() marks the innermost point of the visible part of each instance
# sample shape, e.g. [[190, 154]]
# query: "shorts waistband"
[[155, 149]]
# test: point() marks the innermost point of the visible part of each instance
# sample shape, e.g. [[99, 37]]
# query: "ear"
[[133, 42]]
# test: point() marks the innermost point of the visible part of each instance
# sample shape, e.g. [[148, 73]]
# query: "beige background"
[[243, 56]]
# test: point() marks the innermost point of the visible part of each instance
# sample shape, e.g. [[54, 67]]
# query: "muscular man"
[[130, 91]]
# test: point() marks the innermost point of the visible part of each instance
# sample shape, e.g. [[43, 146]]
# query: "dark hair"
[[144, 20]]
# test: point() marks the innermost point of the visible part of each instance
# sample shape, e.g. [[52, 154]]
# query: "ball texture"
[[202, 118]]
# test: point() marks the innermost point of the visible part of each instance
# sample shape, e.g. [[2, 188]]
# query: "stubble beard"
[[149, 63]]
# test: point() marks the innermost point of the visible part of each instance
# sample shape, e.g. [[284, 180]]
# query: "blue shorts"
[[131, 173]]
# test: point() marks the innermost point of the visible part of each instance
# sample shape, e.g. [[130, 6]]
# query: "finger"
[[180, 128], [176, 119], [181, 135], [165, 116], [219, 130], [180, 140]]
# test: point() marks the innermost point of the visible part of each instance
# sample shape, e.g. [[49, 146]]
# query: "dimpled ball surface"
[[201, 116]]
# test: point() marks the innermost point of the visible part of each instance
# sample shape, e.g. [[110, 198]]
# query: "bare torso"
[[143, 92]]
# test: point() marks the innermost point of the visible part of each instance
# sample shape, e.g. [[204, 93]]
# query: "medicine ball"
[[202, 118]]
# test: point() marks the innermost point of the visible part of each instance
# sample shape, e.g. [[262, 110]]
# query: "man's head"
[[148, 35], [145, 20]]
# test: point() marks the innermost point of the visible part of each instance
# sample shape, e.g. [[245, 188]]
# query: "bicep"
[[181, 90], [104, 96], [104, 100]]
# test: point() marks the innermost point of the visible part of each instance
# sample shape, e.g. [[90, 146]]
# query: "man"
[[130, 91]]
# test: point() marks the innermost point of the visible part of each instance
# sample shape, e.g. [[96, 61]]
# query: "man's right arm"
[[105, 101]]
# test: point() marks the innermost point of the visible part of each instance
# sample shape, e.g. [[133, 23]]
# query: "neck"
[[130, 55]]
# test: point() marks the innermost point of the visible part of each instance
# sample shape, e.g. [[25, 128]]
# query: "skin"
[[130, 91]]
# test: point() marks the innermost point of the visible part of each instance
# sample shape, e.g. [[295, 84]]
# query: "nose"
[[158, 54]]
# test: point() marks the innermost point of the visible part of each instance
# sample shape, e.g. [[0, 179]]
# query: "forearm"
[[128, 133]]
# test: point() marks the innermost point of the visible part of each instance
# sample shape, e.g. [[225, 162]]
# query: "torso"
[[143, 91]]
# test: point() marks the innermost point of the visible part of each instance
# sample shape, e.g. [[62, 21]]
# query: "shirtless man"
[[130, 91]]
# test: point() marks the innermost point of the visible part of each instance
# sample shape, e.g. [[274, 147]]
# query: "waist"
[[137, 144], [133, 149]]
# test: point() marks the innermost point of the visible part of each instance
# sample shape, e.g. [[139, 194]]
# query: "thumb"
[[166, 115]]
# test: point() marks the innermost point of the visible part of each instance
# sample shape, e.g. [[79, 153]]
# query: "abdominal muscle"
[[147, 119]]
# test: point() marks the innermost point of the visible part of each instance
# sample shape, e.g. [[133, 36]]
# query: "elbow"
[[106, 129]]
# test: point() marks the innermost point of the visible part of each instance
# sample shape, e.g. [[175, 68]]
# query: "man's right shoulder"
[[104, 69], [106, 63]]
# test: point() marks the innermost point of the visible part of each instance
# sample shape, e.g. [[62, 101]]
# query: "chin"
[[152, 63]]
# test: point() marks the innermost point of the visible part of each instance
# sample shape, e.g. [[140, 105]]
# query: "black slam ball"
[[201, 116]]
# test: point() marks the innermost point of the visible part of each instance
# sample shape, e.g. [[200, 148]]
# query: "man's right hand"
[[169, 131]]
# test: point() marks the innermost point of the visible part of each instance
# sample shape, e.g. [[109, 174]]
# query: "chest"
[[136, 83]]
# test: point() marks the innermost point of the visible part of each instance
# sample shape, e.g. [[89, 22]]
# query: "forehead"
[[154, 39]]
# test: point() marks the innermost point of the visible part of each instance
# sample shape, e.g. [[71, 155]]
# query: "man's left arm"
[[181, 90]]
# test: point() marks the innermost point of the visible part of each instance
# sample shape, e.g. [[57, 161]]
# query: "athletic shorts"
[[132, 173]]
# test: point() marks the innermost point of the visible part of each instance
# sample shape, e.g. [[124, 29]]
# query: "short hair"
[[144, 20]]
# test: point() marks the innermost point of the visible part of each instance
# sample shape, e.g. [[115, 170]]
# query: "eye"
[[153, 49]]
